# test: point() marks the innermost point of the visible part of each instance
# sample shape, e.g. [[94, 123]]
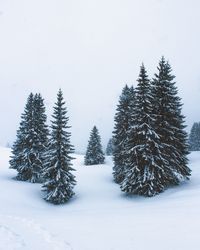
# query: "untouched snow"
[[100, 216]]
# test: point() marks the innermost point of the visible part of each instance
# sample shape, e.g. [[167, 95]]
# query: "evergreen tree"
[[122, 124], [40, 139], [94, 154], [169, 123], [28, 149], [109, 148], [21, 159], [194, 138], [145, 172], [58, 179]]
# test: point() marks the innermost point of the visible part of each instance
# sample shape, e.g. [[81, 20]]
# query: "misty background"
[[91, 49]]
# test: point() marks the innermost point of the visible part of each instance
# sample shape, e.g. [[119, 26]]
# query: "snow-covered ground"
[[100, 216]]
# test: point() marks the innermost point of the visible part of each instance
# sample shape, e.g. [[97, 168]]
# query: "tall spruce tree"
[[58, 179], [21, 159], [30, 146], [194, 138], [109, 148], [169, 123], [94, 153], [145, 172], [40, 138], [122, 124]]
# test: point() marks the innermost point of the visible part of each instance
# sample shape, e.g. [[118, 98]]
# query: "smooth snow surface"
[[100, 216]]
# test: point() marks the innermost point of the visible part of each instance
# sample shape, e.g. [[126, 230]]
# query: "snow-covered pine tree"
[[194, 138], [109, 148], [29, 148], [122, 124], [58, 179], [145, 172], [22, 158], [94, 153], [170, 122], [40, 138]]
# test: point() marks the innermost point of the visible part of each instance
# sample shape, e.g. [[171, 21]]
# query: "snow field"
[[100, 216]]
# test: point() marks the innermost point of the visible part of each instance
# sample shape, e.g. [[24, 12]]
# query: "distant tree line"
[[110, 147], [194, 138]]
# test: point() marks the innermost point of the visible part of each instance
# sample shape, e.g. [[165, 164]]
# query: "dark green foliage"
[[32, 136], [156, 146], [58, 179], [40, 138], [169, 123], [94, 154], [145, 172], [22, 158], [194, 138], [122, 124], [109, 148]]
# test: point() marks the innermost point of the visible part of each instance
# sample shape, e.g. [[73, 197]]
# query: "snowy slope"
[[99, 217]]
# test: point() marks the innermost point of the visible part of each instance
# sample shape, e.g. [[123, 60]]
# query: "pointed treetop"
[[60, 97], [95, 128], [143, 80], [143, 72]]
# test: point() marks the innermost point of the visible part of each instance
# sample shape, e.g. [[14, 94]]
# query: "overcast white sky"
[[91, 48]]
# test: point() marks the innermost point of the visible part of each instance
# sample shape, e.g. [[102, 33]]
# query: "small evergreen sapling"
[[58, 179], [94, 153]]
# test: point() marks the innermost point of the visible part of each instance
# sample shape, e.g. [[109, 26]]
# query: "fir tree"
[[29, 148], [145, 172], [122, 124], [21, 159], [40, 139], [58, 179], [109, 148], [94, 154], [169, 123], [194, 138]]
